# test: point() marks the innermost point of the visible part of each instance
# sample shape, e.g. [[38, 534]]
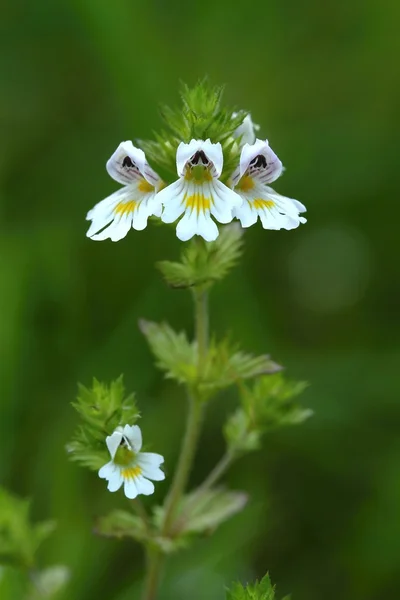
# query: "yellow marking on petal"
[[131, 472], [246, 183], [145, 187], [124, 208], [198, 174], [259, 203], [197, 202]]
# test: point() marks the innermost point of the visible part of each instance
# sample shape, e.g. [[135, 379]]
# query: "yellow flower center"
[[124, 208], [246, 183], [197, 202], [131, 472], [145, 187], [259, 203]]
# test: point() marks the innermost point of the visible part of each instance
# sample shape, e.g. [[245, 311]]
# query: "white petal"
[[246, 130], [104, 212], [107, 470], [142, 212], [119, 169], [113, 441], [150, 463], [172, 199], [144, 486], [285, 205], [246, 214], [117, 230], [249, 152], [130, 488], [224, 200], [212, 151], [134, 437]]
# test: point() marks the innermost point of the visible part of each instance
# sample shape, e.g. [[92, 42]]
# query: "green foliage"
[[204, 263], [102, 409], [19, 538], [268, 404], [204, 510], [120, 523], [174, 353], [201, 116], [262, 590], [227, 365]]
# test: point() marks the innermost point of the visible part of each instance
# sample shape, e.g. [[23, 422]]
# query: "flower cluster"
[[198, 194]]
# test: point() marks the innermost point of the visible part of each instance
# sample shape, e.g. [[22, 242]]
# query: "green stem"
[[220, 469], [188, 449], [153, 574]]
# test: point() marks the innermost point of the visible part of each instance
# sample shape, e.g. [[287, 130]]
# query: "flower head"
[[259, 165], [130, 206], [128, 466], [198, 193], [246, 130]]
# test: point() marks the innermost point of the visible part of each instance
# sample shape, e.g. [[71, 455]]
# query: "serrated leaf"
[[102, 408], [262, 590], [204, 263], [227, 365], [174, 353]]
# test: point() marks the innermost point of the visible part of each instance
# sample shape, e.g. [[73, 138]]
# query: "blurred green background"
[[322, 79]]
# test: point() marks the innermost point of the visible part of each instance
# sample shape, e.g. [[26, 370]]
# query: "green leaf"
[[19, 538], [238, 434], [174, 353], [203, 511], [120, 523], [268, 404], [271, 402], [227, 365], [204, 263], [102, 409], [262, 590]]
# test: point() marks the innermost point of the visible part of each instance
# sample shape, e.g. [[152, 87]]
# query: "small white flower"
[[128, 466], [197, 192], [247, 130], [259, 165], [130, 206]]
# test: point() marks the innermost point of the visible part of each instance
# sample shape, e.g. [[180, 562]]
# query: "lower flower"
[[128, 466]]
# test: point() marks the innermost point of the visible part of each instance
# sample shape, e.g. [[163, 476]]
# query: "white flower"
[[247, 130], [129, 466], [130, 206], [259, 165], [197, 192]]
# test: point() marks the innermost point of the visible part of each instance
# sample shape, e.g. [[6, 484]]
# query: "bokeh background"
[[322, 79]]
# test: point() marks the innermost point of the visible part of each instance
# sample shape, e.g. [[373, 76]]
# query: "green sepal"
[[262, 590], [174, 353], [102, 409], [204, 263], [19, 538]]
